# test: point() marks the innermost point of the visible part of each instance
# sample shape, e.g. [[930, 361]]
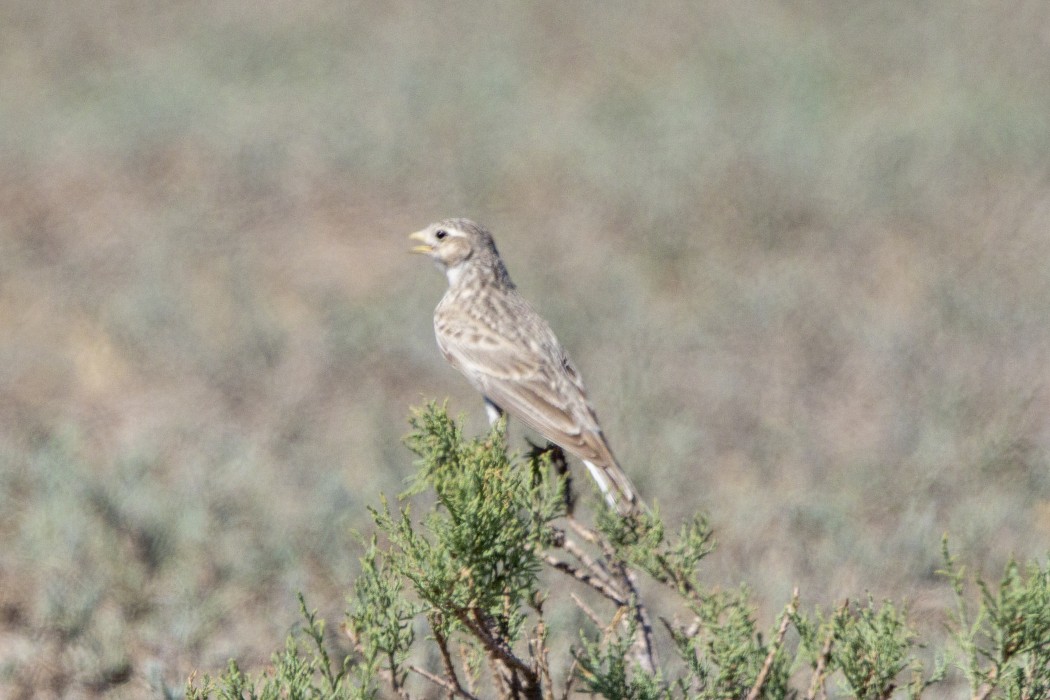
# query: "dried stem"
[[499, 676], [582, 530], [497, 646], [817, 682], [390, 678], [538, 645], [785, 619], [446, 660], [644, 648], [598, 568], [468, 670], [584, 577], [454, 689], [586, 610]]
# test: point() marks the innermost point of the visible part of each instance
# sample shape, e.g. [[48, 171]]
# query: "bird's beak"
[[421, 236]]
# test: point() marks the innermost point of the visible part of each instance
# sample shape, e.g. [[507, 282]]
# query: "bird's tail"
[[616, 487]]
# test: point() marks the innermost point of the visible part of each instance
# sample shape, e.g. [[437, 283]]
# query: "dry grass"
[[799, 251]]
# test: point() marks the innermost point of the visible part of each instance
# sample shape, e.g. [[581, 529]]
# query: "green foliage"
[[872, 647], [379, 620], [605, 669], [303, 670], [476, 570], [729, 648], [641, 542], [1005, 644], [479, 552]]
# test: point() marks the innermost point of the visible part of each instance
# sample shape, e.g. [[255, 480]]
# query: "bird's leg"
[[560, 465], [561, 468]]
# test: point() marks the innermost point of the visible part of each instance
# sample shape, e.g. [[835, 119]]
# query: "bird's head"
[[458, 246]]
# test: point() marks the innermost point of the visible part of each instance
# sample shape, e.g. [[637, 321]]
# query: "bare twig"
[[676, 628], [454, 689], [468, 670], [497, 646], [582, 530], [645, 650], [388, 675], [538, 645], [570, 679], [584, 577], [817, 682], [672, 626], [499, 676], [446, 660], [596, 567], [586, 610], [785, 619]]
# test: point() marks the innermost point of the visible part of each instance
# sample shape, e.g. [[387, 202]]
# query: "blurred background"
[[798, 250]]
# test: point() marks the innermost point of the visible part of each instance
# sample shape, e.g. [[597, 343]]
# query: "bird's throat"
[[455, 274]]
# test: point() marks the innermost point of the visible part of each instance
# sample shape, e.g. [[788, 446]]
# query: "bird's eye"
[[440, 234]]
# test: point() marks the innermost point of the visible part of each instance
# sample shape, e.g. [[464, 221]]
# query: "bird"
[[488, 331]]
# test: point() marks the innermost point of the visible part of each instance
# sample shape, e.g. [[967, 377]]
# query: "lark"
[[487, 331]]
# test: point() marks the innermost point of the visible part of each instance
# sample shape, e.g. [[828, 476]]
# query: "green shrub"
[[459, 601]]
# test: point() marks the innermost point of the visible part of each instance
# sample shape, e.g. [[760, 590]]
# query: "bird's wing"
[[521, 379]]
